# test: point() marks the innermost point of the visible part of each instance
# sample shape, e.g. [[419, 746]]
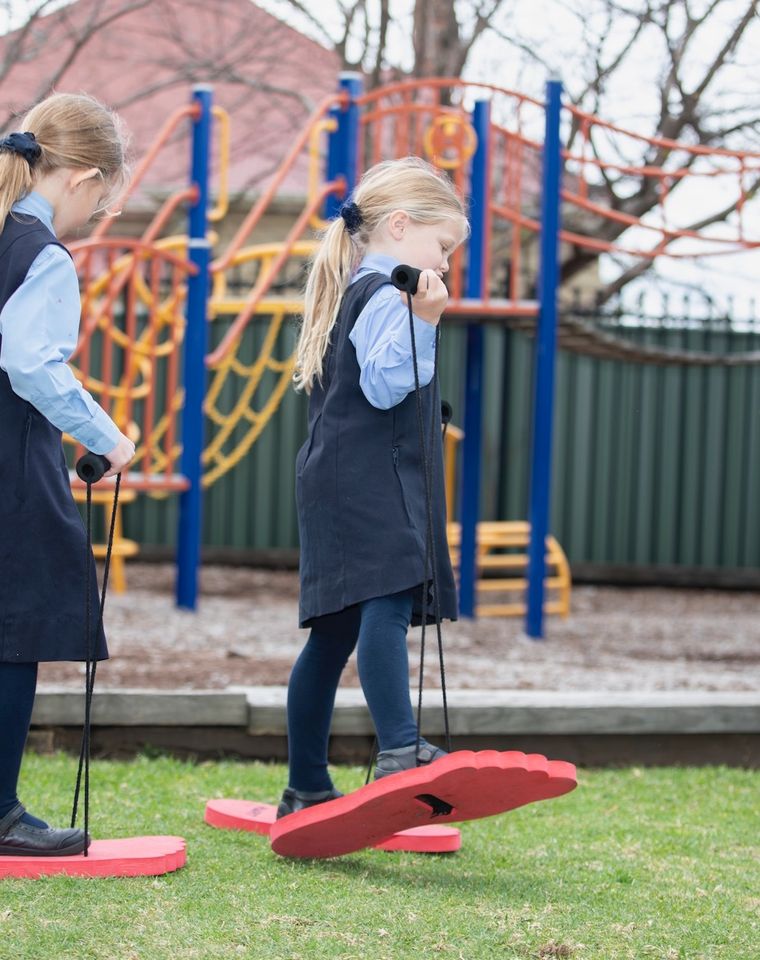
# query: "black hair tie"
[[352, 216], [24, 144]]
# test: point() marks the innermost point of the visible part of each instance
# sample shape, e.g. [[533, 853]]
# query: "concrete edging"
[[260, 711], [62, 707]]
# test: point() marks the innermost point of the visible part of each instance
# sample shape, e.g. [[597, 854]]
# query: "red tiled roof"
[[144, 63]]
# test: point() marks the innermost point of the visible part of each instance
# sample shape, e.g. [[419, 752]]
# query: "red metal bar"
[[108, 342], [172, 122], [516, 249], [438, 83], [172, 375], [131, 332], [663, 141], [488, 226], [264, 281], [153, 322]]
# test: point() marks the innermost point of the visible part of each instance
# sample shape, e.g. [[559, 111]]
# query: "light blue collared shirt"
[[39, 325], [382, 342]]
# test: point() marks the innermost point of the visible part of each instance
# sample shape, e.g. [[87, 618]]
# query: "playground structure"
[[149, 304]]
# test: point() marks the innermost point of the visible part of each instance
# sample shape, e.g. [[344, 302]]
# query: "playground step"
[[260, 711]]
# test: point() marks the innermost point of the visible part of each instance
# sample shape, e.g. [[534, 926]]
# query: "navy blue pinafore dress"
[[360, 488], [45, 567]]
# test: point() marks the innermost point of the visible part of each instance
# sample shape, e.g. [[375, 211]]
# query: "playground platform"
[[593, 729]]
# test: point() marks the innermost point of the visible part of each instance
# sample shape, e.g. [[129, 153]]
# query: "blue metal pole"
[[473, 408], [546, 340], [343, 145], [190, 504]]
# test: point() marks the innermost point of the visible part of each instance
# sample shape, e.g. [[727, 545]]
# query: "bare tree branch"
[[727, 49], [385, 19], [688, 96], [16, 43], [80, 37], [307, 10]]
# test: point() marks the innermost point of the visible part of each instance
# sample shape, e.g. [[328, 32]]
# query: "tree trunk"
[[439, 50]]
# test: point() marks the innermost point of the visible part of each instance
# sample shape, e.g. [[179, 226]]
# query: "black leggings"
[[377, 628], [18, 683]]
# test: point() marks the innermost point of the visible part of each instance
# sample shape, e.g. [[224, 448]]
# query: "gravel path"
[[245, 632]]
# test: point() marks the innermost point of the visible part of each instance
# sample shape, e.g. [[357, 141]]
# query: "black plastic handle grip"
[[406, 278], [90, 467]]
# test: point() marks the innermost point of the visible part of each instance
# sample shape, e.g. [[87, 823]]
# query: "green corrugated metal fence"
[[653, 465]]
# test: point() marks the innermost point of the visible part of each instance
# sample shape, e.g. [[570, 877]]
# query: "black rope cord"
[[372, 755], [430, 550], [90, 652]]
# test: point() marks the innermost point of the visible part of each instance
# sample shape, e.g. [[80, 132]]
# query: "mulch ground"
[[245, 632]]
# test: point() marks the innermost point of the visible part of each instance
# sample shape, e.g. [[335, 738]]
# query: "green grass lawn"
[[643, 864]]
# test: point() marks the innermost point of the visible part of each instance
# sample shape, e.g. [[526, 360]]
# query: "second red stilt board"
[[464, 785], [259, 817]]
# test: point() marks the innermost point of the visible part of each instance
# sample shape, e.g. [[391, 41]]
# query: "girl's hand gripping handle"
[[91, 467], [428, 291], [406, 278], [120, 456]]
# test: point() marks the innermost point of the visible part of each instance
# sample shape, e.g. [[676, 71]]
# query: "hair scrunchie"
[[352, 216], [24, 144]]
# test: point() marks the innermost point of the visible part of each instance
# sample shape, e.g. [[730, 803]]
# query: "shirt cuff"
[[100, 435]]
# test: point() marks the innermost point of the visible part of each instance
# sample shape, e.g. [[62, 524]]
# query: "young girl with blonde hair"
[[360, 479], [59, 170]]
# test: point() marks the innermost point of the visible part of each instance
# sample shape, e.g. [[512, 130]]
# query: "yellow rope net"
[[255, 387], [133, 299], [144, 391]]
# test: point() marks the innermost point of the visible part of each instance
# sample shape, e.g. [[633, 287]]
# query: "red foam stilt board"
[[464, 785], [259, 817], [128, 857]]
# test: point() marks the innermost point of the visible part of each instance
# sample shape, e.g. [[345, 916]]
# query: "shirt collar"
[[377, 263], [35, 205]]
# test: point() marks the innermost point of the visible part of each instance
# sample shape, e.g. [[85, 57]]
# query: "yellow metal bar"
[[506, 560], [328, 125], [264, 253], [121, 547], [508, 535], [222, 199], [510, 609], [500, 609], [452, 437], [220, 308], [494, 585]]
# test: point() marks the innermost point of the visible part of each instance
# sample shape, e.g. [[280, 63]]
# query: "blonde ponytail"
[[328, 278], [16, 180], [72, 130], [409, 184]]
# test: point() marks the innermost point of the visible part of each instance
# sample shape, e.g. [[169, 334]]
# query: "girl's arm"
[[39, 326], [384, 349]]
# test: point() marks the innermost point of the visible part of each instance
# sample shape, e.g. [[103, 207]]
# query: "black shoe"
[[403, 758], [294, 800], [18, 839]]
